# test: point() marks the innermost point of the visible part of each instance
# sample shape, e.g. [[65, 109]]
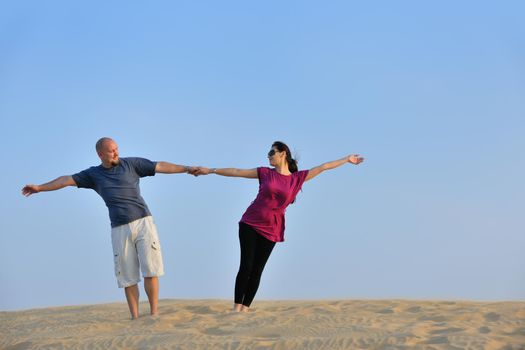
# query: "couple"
[[134, 235]]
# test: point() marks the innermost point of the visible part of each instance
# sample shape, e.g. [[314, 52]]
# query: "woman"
[[262, 225]]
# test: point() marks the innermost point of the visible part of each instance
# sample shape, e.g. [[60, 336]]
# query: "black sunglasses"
[[272, 152]]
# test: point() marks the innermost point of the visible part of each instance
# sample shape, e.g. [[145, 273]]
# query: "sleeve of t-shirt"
[[82, 179], [143, 166], [301, 177], [262, 173]]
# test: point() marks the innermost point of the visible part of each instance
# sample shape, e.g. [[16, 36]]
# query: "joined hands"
[[198, 170]]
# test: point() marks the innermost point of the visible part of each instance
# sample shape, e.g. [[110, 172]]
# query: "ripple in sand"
[[519, 331], [20, 346], [217, 331], [437, 340], [267, 336], [447, 330]]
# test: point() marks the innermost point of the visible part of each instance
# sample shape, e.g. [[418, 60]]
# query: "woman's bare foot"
[[245, 308]]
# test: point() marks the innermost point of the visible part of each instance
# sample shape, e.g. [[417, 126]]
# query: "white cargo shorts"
[[136, 245]]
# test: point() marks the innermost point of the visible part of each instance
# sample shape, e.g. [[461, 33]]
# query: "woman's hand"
[[355, 159]]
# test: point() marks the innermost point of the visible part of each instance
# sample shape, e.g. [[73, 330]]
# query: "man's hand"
[[56, 184], [30, 189]]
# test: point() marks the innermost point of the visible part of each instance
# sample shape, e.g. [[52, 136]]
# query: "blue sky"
[[430, 93]]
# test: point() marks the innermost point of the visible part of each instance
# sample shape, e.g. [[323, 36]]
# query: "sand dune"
[[209, 324]]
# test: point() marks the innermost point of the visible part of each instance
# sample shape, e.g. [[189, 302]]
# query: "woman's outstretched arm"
[[231, 172], [353, 158]]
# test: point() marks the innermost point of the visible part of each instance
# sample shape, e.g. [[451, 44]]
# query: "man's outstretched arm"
[[56, 184], [170, 168]]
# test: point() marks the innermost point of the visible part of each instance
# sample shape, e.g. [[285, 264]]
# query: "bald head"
[[101, 142], [107, 151]]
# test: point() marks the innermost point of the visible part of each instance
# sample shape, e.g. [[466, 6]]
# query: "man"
[[133, 234]]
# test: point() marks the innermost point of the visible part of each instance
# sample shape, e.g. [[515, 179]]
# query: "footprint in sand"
[[492, 317], [484, 330], [433, 318], [200, 309], [414, 309], [151, 320], [386, 311]]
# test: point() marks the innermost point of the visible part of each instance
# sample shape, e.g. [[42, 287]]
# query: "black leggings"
[[255, 251]]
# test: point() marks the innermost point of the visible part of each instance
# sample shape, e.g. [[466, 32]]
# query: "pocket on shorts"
[[116, 261], [155, 245], [150, 257]]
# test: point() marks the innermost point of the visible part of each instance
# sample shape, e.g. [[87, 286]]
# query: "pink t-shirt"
[[276, 191]]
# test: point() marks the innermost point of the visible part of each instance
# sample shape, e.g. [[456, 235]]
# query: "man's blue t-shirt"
[[119, 188]]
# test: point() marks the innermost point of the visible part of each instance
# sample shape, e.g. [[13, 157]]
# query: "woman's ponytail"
[[292, 163]]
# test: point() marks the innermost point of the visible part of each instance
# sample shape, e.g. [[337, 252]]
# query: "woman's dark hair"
[[292, 163]]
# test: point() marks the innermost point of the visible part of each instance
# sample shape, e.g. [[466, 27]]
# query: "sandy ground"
[[209, 324]]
